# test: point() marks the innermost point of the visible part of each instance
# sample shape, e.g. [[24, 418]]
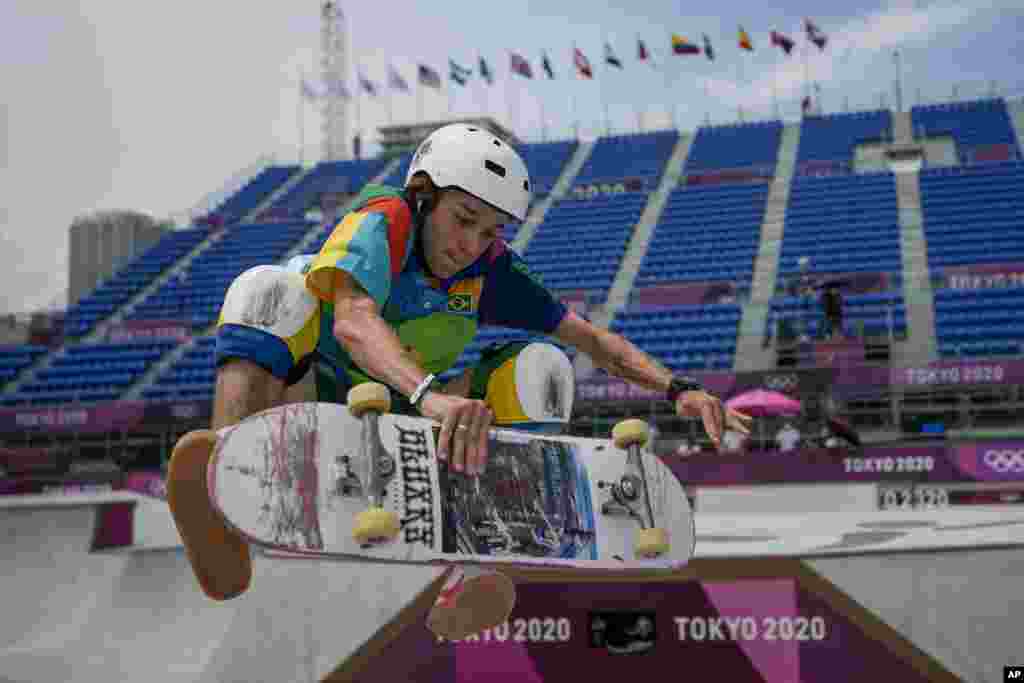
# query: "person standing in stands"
[[832, 307], [805, 290]]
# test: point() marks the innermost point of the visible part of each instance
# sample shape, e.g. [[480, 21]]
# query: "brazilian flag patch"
[[460, 303]]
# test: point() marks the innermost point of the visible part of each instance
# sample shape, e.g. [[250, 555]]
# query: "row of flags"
[[520, 65]]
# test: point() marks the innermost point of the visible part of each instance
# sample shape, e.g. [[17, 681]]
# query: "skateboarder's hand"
[[716, 417], [464, 425]]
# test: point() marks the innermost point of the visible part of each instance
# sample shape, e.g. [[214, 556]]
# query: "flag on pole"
[[485, 72], [429, 77], [396, 81], [681, 46], [367, 85], [546, 63], [582, 63], [744, 41], [458, 73], [814, 34], [783, 41], [708, 50], [641, 50], [519, 65], [609, 56]]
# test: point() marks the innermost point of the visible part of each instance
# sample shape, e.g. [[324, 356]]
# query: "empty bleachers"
[[580, 244], [737, 146], [973, 215], [86, 373], [545, 161], [344, 177], [828, 143], [981, 129], [191, 378], [704, 234], [620, 157], [982, 322], [14, 359], [238, 205], [684, 338], [844, 224], [197, 294], [127, 282]]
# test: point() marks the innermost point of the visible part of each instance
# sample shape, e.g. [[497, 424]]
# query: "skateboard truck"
[[630, 496], [373, 526]]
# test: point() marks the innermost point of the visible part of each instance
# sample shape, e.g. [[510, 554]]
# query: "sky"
[[152, 106]]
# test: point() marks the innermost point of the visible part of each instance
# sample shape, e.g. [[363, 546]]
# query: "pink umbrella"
[[760, 402]]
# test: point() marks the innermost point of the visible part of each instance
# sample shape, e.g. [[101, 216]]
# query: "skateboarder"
[[397, 292]]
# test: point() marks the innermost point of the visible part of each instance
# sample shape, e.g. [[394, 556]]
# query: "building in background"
[[103, 242]]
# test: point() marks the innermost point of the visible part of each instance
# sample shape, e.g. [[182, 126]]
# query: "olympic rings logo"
[[1005, 461], [781, 382]]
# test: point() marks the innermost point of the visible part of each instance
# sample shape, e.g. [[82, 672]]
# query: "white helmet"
[[472, 159]]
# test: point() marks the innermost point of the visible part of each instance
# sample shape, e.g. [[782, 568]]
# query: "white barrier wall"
[[786, 499]]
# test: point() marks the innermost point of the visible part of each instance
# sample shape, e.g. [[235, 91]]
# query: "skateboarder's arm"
[[369, 340], [613, 353]]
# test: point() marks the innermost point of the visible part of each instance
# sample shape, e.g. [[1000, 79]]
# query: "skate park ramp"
[[138, 615], [893, 603]]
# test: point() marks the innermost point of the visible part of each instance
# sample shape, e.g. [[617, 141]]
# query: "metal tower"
[[334, 71]]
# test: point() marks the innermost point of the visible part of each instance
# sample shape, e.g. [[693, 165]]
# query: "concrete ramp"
[[140, 616]]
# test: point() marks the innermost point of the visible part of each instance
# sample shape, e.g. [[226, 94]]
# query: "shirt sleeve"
[[371, 245], [515, 297]]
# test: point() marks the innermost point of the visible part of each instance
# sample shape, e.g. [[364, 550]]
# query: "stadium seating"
[[86, 373], [238, 205], [743, 145], [981, 129], [191, 378], [127, 282], [580, 244], [684, 338], [844, 224], [984, 322], [545, 161], [619, 157], [706, 233], [14, 359], [973, 215], [881, 314], [196, 295], [828, 143], [328, 176]]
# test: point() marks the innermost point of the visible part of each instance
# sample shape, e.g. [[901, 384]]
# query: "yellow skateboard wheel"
[[368, 396], [651, 543], [629, 432], [376, 526]]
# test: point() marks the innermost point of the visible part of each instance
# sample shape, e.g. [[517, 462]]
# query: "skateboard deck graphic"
[[290, 478]]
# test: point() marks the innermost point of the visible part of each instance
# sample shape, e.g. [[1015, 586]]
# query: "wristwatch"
[[680, 385]]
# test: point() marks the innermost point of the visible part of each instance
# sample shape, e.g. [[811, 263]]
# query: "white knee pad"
[[537, 386], [269, 298]]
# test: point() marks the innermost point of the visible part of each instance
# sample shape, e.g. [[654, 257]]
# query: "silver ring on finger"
[[462, 427]]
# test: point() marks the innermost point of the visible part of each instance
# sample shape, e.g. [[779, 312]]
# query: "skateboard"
[[354, 482]]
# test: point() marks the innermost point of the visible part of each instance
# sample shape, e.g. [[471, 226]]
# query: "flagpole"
[[359, 96], [301, 113], [419, 100], [604, 101], [510, 95], [572, 100], [481, 99]]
